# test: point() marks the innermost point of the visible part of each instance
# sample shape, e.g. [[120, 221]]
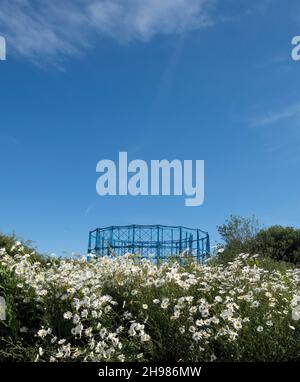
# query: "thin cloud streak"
[[89, 209], [274, 117]]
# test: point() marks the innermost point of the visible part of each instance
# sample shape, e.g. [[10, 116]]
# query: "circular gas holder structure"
[[156, 242]]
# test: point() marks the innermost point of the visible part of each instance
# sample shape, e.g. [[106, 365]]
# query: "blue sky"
[[185, 79]]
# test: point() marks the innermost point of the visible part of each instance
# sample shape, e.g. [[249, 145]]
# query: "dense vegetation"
[[244, 235], [237, 307]]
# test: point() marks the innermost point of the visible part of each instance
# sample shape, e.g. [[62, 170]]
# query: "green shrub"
[[15, 344], [113, 309], [8, 242], [279, 243], [238, 235], [244, 235]]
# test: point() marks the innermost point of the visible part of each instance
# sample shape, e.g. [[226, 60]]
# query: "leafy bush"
[[238, 235], [279, 243], [11, 244], [239, 231], [243, 235], [124, 309]]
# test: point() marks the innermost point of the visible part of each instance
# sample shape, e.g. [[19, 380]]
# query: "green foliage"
[[238, 231], [242, 311], [238, 234], [279, 243], [15, 345], [243, 235], [8, 242]]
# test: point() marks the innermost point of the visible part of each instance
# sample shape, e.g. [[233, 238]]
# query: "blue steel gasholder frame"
[[157, 242]]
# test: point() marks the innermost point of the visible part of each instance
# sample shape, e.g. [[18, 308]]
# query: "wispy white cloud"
[[277, 116], [89, 209], [53, 29]]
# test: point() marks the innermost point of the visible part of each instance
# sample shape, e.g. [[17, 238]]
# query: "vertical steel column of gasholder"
[[191, 244], [180, 240], [133, 239], [151, 239], [97, 242], [102, 244], [116, 241], [90, 243], [198, 246], [186, 240], [207, 245], [94, 242], [162, 246], [128, 239], [119, 241], [111, 237], [157, 246], [141, 241]]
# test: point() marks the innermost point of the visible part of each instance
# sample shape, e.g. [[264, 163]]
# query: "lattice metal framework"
[[157, 242]]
